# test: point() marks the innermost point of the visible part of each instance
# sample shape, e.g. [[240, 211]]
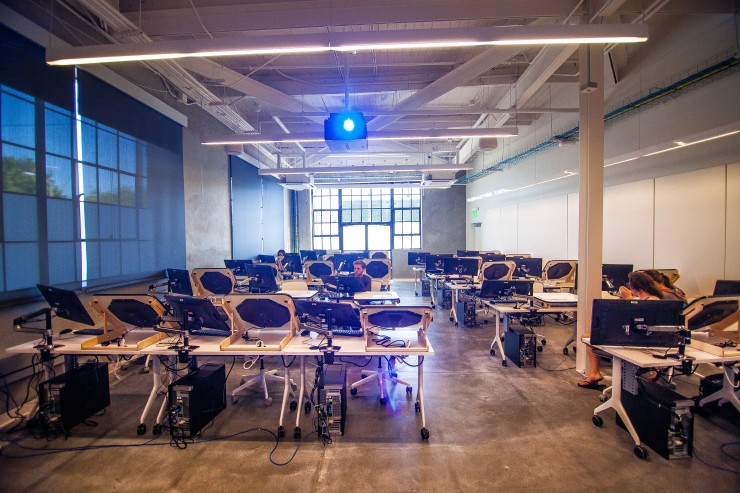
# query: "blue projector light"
[[346, 131]]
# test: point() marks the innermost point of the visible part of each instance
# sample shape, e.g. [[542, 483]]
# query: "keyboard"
[[89, 332], [348, 332], [210, 332]]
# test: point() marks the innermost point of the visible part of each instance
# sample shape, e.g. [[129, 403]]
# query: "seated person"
[[359, 271], [279, 259], [670, 292], [639, 286]]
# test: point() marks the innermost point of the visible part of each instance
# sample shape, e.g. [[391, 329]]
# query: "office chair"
[[263, 323], [376, 285], [314, 269], [559, 272], [212, 282], [379, 269], [379, 254], [387, 326], [295, 285], [672, 274], [122, 314], [495, 271]]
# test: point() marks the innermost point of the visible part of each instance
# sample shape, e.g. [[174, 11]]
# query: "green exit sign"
[[475, 213]]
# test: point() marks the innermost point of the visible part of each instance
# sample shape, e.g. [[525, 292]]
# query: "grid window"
[[326, 219]]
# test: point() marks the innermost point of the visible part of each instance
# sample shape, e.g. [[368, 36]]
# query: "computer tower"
[[333, 397], [195, 399], [465, 311], [71, 398], [520, 346], [444, 298], [663, 419]]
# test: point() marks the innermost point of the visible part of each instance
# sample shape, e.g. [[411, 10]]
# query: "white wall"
[[687, 221]]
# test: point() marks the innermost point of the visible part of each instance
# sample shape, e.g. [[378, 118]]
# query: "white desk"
[[300, 294], [418, 272], [504, 310], [642, 359], [456, 287], [367, 297]]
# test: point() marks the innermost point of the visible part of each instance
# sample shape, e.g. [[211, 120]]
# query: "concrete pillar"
[[591, 188]]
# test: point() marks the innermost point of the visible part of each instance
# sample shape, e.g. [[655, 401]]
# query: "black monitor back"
[[616, 274], [611, 319], [292, 262], [309, 255], [262, 278], [417, 258], [505, 288], [461, 266], [724, 287], [527, 267], [434, 263]]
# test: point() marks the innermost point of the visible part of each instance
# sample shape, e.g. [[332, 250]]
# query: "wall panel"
[[732, 242], [543, 227], [628, 224]]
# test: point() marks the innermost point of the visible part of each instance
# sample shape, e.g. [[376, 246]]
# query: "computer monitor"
[[434, 263], [292, 263], [505, 288], [309, 255], [629, 322], [615, 275], [468, 253], [262, 278], [343, 284], [417, 259], [724, 287], [179, 281], [266, 259], [492, 257], [329, 315], [203, 318], [343, 262], [236, 266], [527, 267], [65, 304], [461, 266]]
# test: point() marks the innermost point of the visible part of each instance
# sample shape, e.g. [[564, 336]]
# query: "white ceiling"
[[451, 88]]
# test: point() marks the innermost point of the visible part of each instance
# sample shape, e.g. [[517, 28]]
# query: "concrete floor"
[[492, 428]]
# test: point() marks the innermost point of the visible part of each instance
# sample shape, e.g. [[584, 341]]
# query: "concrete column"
[[591, 188]]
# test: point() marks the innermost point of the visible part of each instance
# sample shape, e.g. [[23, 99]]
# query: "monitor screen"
[[343, 262], [628, 322], [266, 259], [329, 315], [434, 263], [616, 275], [505, 289], [262, 278], [724, 287], [236, 266], [309, 255], [202, 314], [343, 284], [468, 253], [292, 262], [65, 304], [417, 258], [527, 267], [461, 266], [492, 257], [179, 281]]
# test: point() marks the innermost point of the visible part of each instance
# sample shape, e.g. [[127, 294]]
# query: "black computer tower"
[[465, 311], [196, 398], [71, 398], [520, 346], [663, 419], [444, 298], [333, 397]]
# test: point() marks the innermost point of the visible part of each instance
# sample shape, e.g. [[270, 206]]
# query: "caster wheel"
[[544, 342], [424, 434], [141, 429], [297, 433], [565, 351], [503, 363], [598, 422], [603, 398], [451, 319], [409, 390], [234, 399], [281, 432], [641, 452], [307, 408], [145, 369], [293, 405], [485, 321], [492, 352], [539, 349], [362, 375], [157, 430], [416, 294], [353, 391], [455, 323], [417, 407], [382, 400], [268, 402]]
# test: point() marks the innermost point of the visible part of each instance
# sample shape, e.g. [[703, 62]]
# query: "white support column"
[[591, 189]]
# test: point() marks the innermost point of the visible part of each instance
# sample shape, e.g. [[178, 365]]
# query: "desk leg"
[[156, 384], [453, 310], [171, 361], [615, 402], [301, 395], [419, 406], [728, 392], [286, 393], [497, 340], [416, 278]]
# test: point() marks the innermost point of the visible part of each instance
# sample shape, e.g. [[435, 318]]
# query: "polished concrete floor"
[[492, 428]]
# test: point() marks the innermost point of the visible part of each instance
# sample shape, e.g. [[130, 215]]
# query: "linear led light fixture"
[[434, 133], [365, 169], [351, 41]]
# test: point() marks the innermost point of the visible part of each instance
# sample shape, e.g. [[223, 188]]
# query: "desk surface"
[[643, 357], [377, 296]]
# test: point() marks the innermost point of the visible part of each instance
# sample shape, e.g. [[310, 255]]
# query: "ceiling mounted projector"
[[346, 131]]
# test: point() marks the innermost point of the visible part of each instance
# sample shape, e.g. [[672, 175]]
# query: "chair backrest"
[[378, 268], [316, 268], [376, 285], [295, 285], [713, 312], [212, 282], [672, 274], [128, 311], [378, 254], [494, 271], [560, 270]]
